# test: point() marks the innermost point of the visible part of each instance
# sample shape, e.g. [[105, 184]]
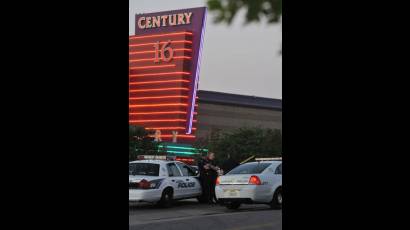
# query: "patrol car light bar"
[[152, 157], [168, 158], [177, 158], [171, 158], [185, 159]]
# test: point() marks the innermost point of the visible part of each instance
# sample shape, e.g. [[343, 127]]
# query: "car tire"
[[167, 198], [233, 205], [276, 202]]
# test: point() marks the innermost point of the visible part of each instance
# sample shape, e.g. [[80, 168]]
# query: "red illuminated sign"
[[164, 58], [163, 72]]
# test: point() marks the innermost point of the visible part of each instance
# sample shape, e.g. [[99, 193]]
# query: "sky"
[[237, 58]]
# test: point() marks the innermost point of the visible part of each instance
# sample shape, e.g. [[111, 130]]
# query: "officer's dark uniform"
[[207, 178]]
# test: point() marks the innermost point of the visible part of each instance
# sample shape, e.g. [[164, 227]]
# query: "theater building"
[[164, 69], [226, 112]]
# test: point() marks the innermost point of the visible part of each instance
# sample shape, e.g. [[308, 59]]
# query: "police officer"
[[208, 174]]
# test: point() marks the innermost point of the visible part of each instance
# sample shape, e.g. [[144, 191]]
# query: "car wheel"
[[276, 202], [233, 205], [167, 198]]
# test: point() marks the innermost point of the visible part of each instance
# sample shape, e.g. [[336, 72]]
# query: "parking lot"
[[189, 214]]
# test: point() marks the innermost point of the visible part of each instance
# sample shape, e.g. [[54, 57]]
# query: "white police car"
[[255, 182], [162, 182]]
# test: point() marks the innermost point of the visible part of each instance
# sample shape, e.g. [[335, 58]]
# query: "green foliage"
[[256, 9], [245, 142], [140, 142]]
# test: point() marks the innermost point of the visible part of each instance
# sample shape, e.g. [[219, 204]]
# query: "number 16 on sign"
[[160, 53]]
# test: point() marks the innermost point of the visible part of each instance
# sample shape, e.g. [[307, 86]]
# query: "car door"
[[267, 178], [176, 179], [191, 184], [278, 176]]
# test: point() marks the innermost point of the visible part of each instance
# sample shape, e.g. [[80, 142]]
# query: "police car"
[[257, 182], [162, 181]]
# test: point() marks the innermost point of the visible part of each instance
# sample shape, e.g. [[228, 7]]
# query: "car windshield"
[[143, 169], [249, 168]]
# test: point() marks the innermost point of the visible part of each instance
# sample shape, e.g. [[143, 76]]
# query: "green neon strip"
[[178, 147], [188, 153]]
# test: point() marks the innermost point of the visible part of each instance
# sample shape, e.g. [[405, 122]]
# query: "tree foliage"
[[255, 10], [246, 142], [140, 142]]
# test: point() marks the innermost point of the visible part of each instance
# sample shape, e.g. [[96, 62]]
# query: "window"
[[279, 170], [143, 169], [173, 170], [249, 168], [186, 170]]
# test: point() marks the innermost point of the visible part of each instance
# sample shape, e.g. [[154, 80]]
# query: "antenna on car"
[[248, 159]]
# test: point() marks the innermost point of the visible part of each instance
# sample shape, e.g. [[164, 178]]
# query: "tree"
[[246, 142], [140, 142], [256, 9]]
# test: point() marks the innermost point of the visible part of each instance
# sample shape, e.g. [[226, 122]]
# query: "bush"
[[246, 142], [140, 142]]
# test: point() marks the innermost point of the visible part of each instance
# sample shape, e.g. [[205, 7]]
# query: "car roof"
[[154, 161], [270, 162]]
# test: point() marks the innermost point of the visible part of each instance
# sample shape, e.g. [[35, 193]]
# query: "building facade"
[[227, 112]]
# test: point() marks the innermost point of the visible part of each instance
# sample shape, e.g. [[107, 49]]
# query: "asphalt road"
[[189, 214]]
